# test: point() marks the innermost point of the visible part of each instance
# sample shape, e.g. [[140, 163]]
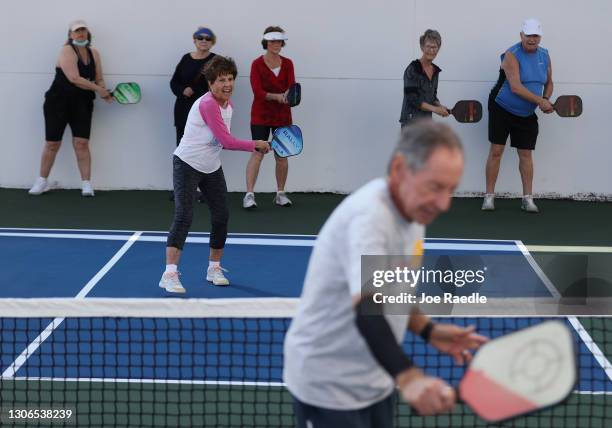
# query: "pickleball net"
[[156, 362]]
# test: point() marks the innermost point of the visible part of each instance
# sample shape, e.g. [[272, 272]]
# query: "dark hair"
[[276, 29], [432, 35], [69, 40], [219, 66]]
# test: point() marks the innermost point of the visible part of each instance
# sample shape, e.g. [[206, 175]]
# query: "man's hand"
[[546, 106], [428, 395], [456, 341]]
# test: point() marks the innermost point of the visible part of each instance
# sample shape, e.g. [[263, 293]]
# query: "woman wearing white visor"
[[271, 77]]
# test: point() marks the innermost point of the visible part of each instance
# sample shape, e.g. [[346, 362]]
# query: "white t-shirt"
[[207, 132], [327, 361]]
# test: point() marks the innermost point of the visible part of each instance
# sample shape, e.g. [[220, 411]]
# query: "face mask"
[[80, 42]]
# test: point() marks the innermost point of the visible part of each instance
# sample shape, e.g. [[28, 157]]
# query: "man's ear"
[[398, 164]]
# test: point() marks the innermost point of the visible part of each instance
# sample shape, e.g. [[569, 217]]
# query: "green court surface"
[[139, 405], [561, 222]]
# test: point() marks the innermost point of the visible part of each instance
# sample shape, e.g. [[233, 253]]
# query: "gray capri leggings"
[[186, 182]]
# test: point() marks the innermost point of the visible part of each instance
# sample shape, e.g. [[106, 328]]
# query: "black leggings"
[[186, 182]]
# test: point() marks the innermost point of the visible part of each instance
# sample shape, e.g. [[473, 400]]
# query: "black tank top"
[[61, 86]]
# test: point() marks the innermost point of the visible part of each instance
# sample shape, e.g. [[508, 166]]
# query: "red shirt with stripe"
[[263, 80]]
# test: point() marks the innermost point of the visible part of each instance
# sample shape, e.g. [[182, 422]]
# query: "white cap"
[[275, 35], [75, 25], [532, 27]]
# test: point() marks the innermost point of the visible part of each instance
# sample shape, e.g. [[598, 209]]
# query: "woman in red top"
[[271, 76]]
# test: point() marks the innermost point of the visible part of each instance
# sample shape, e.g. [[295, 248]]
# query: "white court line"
[[567, 249], [258, 241], [44, 335], [190, 239], [471, 247], [531, 248], [157, 381], [52, 231], [539, 272], [592, 346], [203, 382]]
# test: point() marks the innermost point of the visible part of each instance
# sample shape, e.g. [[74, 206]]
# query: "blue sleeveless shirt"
[[533, 74]]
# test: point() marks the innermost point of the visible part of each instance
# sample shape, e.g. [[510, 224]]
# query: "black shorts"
[[523, 131], [262, 132], [61, 111]]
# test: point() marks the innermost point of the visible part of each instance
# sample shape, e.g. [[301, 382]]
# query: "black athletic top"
[[61, 86], [418, 89], [188, 73]]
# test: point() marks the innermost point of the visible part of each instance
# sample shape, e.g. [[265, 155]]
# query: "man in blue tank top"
[[524, 84]]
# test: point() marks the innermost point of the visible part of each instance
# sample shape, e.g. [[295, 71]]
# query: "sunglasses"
[[207, 38]]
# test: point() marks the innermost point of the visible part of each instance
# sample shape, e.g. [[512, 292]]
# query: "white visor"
[[275, 35]]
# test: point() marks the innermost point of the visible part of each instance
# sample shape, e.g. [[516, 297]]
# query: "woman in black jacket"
[[188, 82], [421, 82]]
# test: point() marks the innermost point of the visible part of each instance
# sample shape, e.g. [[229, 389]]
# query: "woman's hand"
[[441, 110], [188, 92], [262, 146], [104, 94], [279, 98]]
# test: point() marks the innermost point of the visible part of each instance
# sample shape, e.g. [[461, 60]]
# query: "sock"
[[86, 182], [490, 194], [526, 196], [171, 269], [212, 264], [250, 193], [278, 192]]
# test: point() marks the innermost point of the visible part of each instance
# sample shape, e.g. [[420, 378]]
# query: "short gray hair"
[[432, 35], [420, 139]]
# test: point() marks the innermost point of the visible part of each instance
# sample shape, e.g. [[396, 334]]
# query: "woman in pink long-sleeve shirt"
[[197, 164]]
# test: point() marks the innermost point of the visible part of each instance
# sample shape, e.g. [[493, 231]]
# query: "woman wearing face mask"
[[69, 101], [271, 77]]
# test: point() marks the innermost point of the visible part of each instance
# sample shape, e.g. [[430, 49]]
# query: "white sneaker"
[[40, 186], [215, 275], [282, 199], [171, 283], [87, 189], [249, 201], [488, 204], [529, 206]]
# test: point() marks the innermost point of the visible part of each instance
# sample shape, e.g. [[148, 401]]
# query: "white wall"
[[349, 56]]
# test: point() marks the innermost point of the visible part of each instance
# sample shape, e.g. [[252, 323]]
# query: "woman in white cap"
[[271, 77], [69, 101]]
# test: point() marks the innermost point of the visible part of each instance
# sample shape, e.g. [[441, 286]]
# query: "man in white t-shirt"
[[342, 366]]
